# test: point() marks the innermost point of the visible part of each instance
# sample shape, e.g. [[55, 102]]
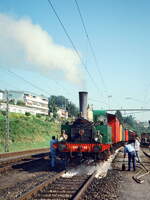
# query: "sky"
[[37, 56]]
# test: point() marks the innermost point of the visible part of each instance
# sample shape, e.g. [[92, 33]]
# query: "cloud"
[[23, 41]]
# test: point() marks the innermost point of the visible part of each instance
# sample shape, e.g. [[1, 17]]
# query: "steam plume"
[[27, 42]]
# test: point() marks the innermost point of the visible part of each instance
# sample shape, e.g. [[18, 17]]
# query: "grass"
[[27, 132]]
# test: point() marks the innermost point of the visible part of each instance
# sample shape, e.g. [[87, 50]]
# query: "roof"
[[99, 112]]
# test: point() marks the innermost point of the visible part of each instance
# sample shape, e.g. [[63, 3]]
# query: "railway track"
[[32, 151], [60, 187], [36, 181], [9, 160]]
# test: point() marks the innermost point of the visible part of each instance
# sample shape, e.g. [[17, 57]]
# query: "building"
[[32, 103], [22, 109], [90, 113], [62, 113], [38, 102], [1, 95], [35, 104]]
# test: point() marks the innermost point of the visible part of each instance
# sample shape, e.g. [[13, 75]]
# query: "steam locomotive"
[[94, 134]]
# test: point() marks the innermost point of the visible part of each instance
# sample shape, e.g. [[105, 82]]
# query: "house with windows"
[[30, 102]]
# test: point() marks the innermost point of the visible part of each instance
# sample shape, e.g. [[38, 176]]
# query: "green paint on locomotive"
[[99, 114], [123, 134], [106, 132], [67, 128]]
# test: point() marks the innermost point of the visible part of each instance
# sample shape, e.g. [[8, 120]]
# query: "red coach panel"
[[126, 135], [115, 124]]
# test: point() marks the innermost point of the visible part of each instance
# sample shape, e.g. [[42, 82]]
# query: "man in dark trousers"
[[130, 150], [53, 152]]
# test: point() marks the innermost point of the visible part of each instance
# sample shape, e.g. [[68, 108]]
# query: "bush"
[[27, 113], [3, 112], [12, 101], [38, 115], [20, 103]]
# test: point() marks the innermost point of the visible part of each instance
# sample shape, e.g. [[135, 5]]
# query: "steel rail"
[[84, 187], [7, 163], [146, 154], [16, 162], [31, 193], [12, 154], [143, 172], [78, 195]]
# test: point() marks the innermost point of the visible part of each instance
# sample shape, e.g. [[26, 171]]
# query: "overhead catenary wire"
[[139, 112], [96, 100], [30, 83], [33, 85], [72, 43], [9, 84], [59, 85], [90, 43]]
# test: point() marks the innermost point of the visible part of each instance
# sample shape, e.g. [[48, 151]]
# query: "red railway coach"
[[115, 125]]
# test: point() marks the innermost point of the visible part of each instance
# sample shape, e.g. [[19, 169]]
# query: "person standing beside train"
[[53, 152], [130, 150], [137, 147]]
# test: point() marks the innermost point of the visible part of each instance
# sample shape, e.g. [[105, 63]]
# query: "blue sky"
[[119, 32]]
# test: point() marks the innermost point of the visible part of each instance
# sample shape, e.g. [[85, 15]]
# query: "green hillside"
[[27, 132]]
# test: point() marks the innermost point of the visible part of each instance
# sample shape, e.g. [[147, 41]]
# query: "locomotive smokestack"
[[83, 104]]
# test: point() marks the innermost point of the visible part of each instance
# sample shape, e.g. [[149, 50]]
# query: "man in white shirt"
[[130, 150], [137, 147]]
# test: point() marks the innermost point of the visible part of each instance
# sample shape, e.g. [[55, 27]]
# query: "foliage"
[[20, 103], [52, 106], [12, 101], [27, 113], [132, 124], [38, 115], [119, 116], [3, 112], [72, 109], [56, 102], [2, 101]]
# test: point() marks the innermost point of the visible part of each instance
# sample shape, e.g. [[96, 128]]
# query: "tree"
[[20, 103], [52, 106], [27, 113], [72, 109], [130, 121], [56, 102], [119, 116], [38, 115], [61, 101], [132, 124], [12, 101]]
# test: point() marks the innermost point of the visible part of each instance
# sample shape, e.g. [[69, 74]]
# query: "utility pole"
[[7, 124]]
